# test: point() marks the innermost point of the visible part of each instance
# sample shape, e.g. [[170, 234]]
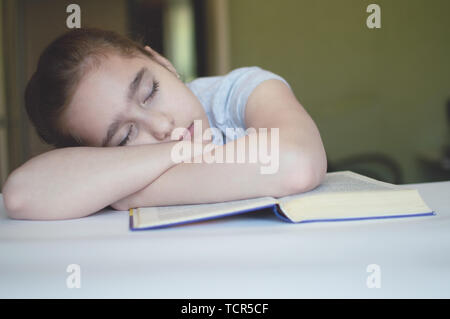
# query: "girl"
[[111, 107]]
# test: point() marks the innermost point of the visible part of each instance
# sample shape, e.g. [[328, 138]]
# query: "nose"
[[159, 124]]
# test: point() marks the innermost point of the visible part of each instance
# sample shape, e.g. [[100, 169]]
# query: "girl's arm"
[[196, 183], [77, 181], [302, 159]]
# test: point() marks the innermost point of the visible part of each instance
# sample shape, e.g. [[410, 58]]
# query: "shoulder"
[[240, 79]]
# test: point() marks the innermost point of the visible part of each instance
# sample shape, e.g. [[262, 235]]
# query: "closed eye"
[[155, 88], [127, 138]]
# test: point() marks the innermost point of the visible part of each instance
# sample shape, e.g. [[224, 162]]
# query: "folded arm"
[[302, 159], [77, 181]]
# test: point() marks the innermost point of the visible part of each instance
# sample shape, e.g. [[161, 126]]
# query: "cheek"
[[144, 138], [89, 130], [190, 105]]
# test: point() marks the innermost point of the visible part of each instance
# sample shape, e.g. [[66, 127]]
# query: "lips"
[[190, 129]]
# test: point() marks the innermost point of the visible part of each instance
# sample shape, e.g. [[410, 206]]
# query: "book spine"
[[280, 214], [131, 218]]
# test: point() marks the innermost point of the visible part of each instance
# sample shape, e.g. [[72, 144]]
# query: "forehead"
[[100, 95]]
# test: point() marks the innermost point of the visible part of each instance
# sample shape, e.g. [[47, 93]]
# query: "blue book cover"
[[342, 196]]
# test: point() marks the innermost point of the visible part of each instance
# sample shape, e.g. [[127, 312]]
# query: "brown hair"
[[60, 68]]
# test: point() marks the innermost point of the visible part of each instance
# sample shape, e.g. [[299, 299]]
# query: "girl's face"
[[131, 101]]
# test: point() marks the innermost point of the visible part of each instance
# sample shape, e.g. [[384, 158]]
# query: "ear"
[[162, 60]]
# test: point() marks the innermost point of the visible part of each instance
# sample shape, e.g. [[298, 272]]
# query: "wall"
[[3, 137], [369, 90]]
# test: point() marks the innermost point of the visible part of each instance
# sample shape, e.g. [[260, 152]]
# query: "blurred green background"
[[368, 90], [378, 96]]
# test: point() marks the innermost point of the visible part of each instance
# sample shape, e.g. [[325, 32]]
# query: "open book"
[[342, 196]]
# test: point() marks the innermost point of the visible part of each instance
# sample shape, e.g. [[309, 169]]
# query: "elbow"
[[16, 206], [304, 172], [19, 205], [12, 205], [11, 198]]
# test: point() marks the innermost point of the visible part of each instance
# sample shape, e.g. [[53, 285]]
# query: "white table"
[[254, 255]]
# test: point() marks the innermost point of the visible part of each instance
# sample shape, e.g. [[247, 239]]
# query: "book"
[[342, 196]]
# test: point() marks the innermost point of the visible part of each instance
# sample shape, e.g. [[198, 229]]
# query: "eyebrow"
[[132, 88]]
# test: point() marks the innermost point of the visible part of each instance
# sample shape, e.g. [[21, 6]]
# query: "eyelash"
[[150, 96], [153, 92]]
